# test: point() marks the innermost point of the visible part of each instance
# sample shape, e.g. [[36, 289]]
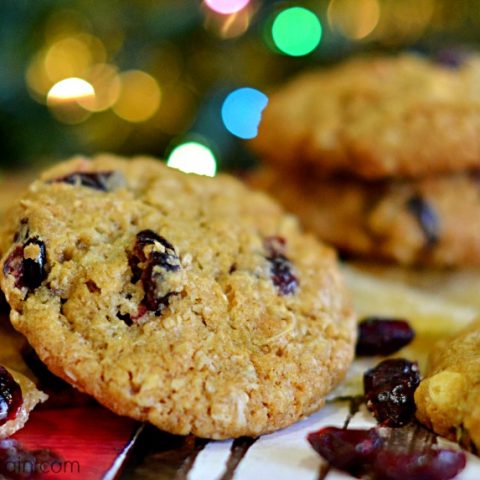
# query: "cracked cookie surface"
[[192, 303], [377, 117], [432, 221]]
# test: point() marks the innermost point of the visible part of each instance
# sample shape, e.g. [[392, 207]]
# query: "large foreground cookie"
[[376, 117], [448, 399], [433, 221], [189, 302]]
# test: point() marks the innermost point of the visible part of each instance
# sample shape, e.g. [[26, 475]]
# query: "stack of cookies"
[[379, 157]]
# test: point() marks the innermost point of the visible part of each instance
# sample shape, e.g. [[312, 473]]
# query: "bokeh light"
[[139, 96], [105, 80], [70, 89], [242, 111], [296, 31], [193, 157], [230, 26], [64, 97], [72, 56], [66, 58], [354, 19], [226, 7]]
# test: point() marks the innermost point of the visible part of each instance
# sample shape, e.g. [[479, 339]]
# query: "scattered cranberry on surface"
[[11, 398], [431, 464], [367, 452], [94, 180], [347, 450], [280, 266], [389, 389], [382, 336], [28, 272]]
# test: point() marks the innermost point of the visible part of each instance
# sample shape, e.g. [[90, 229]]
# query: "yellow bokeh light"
[[73, 56], [105, 81], [70, 89], [193, 157], [139, 96], [355, 19], [68, 57], [64, 97]]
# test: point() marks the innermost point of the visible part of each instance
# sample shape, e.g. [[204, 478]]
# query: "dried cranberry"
[[96, 180], [389, 389], [34, 268], [11, 398], [382, 336], [151, 265], [410, 455], [17, 463], [426, 217], [28, 272], [431, 464], [13, 266], [280, 266], [453, 57], [348, 450]]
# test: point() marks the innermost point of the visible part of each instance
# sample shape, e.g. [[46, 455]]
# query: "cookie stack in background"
[[378, 156]]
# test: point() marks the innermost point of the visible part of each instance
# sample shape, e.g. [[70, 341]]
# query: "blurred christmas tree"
[[180, 78]]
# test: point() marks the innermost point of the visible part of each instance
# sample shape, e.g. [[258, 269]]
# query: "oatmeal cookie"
[[432, 221], [189, 302], [377, 117], [448, 399]]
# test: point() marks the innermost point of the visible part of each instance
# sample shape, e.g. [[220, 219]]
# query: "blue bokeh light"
[[242, 111]]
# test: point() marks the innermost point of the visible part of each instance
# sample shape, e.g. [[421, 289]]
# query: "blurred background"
[[182, 79]]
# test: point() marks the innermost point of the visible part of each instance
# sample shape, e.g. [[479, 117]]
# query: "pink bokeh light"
[[226, 7]]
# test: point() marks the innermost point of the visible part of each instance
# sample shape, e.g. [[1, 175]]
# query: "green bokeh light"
[[296, 31]]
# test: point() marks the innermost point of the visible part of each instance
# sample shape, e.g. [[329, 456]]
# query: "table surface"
[[101, 445]]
